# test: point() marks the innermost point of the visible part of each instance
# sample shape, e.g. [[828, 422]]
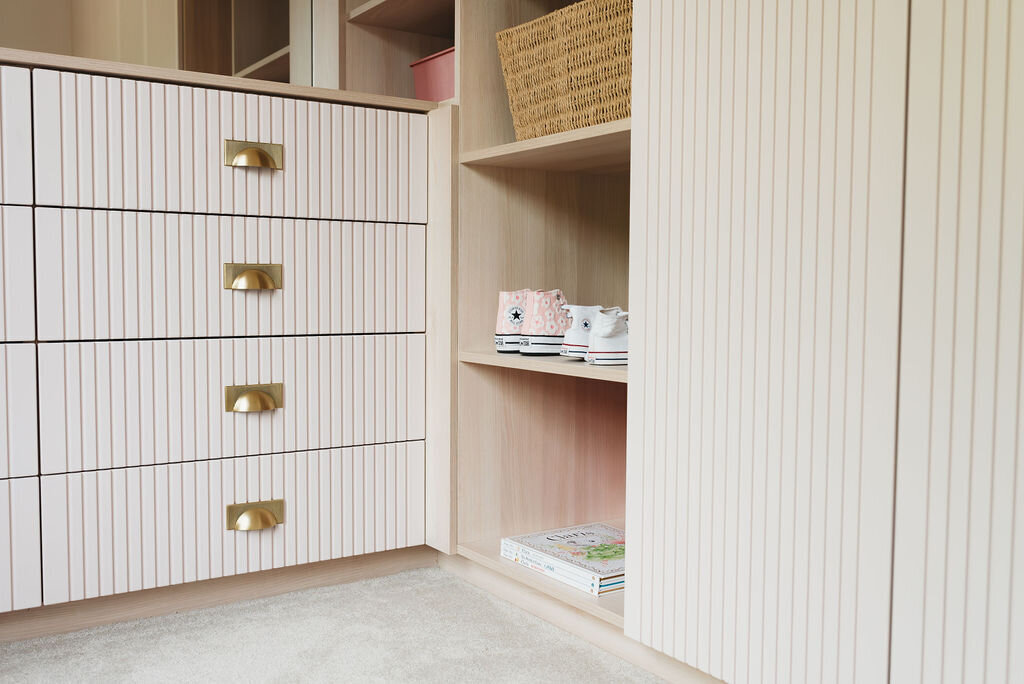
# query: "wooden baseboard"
[[598, 632], [68, 617]]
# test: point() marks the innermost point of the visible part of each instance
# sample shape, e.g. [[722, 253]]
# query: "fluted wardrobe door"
[[767, 171], [958, 580]]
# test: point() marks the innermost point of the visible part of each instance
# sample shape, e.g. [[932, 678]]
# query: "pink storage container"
[[435, 76]]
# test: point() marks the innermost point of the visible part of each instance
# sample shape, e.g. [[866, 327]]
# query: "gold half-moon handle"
[[252, 277], [258, 515], [253, 398], [242, 153]]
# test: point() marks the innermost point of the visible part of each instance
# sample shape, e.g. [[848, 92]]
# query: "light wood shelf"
[[429, 17], [555, 365], [610, 608], [273, 67], [600, 148]]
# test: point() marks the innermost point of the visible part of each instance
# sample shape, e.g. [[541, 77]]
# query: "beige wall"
[[134, 31], [42, 25]]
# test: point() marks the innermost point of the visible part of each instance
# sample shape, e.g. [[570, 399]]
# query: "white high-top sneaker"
[[577, 338], [609, 338]]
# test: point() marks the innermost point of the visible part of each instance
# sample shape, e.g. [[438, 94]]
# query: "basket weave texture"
[[569, 69]]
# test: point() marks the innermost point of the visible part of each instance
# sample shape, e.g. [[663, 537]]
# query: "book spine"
[[560, 566], [584, 583]]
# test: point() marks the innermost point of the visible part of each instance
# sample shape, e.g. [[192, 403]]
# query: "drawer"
[[128, 275], [15, 136], [121, 144], [20, 574], [113, 531], [19, 451], [17, 281], [115, 404]]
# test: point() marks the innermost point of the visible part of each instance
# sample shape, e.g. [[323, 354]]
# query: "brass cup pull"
[[253, 398], [258, 515], [253, 154], [252, 277]]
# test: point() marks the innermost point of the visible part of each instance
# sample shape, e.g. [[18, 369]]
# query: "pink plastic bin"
[[435, 76]]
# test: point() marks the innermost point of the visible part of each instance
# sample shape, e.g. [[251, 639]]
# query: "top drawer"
[[15, 136], [122, 144]]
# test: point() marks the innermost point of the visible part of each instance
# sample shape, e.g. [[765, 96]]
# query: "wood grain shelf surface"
[[610, 608], [429, 17], [554, 365], [600, 148]]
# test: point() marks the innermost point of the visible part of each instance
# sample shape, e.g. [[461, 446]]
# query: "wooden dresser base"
[[69, 617]]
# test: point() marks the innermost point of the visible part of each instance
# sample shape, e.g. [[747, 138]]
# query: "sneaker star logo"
[[514, 314], [585, 324]]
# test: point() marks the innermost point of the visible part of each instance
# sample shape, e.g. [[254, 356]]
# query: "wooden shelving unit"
[[555, 365], [609, 608], [541, 440], [430, 17], [597, 149]]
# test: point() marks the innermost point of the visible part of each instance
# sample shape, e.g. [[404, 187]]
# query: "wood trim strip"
[[242, 85]]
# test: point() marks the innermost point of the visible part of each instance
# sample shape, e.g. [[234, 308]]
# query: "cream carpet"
[[416, 626]]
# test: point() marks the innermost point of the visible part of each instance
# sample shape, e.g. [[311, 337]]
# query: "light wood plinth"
[[68, 617]]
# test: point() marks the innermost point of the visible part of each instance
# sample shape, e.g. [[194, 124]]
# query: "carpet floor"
[[416, 626]]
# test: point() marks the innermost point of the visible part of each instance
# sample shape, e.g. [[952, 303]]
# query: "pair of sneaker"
[[539, 322], [598, 335], [531, 322]]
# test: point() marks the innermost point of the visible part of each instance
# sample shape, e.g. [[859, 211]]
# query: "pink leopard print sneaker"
[[511, 316], [546, 323]]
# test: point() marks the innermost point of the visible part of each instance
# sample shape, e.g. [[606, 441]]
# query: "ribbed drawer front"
[[20, 572], [15, 136], [127, 275], [114, 404], [113, 531], [19, 451], [17, 282], [117, 143]]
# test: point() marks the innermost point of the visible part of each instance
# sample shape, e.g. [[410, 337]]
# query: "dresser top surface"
[[10, 56]]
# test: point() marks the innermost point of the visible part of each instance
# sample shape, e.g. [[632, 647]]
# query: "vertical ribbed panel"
[[15, 136], [114, 404], [19, 449], [126, 275], [122, 144], [17, 282], [958, 585], [114, 531], [20, 574], [764, 274]]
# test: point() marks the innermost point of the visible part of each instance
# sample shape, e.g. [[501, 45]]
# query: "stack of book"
[[591, 558]]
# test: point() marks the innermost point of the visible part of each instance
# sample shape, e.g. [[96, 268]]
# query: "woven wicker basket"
[[570, 68]]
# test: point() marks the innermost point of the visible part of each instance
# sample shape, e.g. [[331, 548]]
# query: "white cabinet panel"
[[128, 275], [115, 143], [764, 273], [958, 580], [99, 538], [114, 404], [17, 282], [19, 451], [20, 575], [15, 136]]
